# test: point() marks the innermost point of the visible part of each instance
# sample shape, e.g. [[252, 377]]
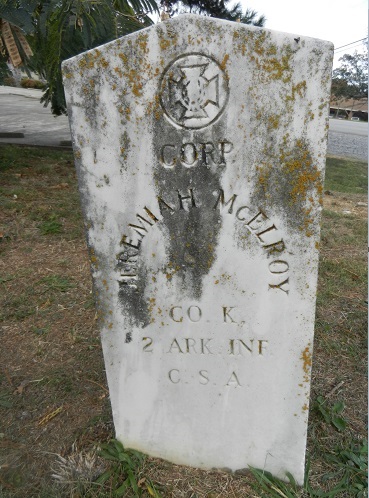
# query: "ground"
[[54, 401]]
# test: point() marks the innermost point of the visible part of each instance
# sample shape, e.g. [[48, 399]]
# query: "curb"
[[31, 93], [52, 147]]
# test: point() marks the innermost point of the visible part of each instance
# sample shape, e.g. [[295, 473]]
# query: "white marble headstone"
[[200, 149]]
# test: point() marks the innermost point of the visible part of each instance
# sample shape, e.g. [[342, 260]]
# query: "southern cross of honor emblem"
[[194, 91]]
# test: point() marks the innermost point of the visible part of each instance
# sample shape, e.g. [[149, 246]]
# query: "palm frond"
[[138, 6], [18, 15]]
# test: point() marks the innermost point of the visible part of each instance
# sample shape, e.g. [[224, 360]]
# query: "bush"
[[9, 81], [30, 83]]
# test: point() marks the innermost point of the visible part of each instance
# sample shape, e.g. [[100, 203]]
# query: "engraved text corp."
[[192, 154]]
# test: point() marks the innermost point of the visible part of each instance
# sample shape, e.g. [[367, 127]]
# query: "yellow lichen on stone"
[[264, 171], [118, 71], [157, 109], [152, 302], [164, 44], [241, 41], [87, 62], [142, 43], [306, 358], [303, 176], [298, 89], [303, 180], [273, 121], [259, 47], [123, 57], [104, 63], [224, 62], [286, 175], [278, 69]]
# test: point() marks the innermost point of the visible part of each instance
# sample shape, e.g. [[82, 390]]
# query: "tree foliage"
[[214, 8], [350, 79], [60, 29]]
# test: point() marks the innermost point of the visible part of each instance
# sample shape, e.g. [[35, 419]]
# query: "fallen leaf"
[[24, 384], [49, 416], [44, 305], [21, 387]]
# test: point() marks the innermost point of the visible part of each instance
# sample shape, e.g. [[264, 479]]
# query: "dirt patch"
[[347, 204]]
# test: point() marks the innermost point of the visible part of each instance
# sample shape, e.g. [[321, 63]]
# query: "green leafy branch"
[[124, 469], [331, 415]]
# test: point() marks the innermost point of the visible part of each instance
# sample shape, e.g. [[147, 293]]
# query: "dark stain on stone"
[[289, 172], [89, 93], [131, 292], [191, 229], [128, 337], [125, 146]]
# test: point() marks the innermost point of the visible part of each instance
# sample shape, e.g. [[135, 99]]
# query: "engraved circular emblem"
[[194, 91]]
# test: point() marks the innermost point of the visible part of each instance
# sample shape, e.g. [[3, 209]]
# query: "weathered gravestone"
[[200, 147]]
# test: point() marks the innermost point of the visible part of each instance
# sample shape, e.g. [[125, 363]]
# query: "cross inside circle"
[[194, 91]]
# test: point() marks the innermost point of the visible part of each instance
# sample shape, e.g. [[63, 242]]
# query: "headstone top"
[[200, 149]]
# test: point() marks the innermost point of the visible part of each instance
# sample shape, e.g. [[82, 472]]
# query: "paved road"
[[22, 113], [348, 127], [348, 139]]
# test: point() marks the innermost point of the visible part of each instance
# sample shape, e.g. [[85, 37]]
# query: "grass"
[[47, 211], [55, 417], [51, 225], [346, 175], [55, 283], [124, 470], [31, 300]]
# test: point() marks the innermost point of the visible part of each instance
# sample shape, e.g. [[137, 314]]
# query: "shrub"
[[30, 83], [9, 81]]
